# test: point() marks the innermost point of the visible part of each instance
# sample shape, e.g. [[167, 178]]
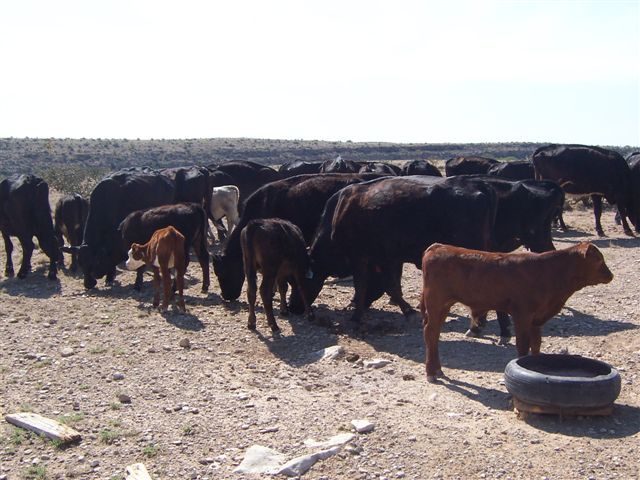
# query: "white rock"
[[376, 363], [337, 440], [259, 459], [300, 465], [66, 351], [362, 426], [329, 353]]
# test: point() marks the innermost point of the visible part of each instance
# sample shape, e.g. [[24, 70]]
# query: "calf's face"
[[598, 272], [230, 275], [136, 257]]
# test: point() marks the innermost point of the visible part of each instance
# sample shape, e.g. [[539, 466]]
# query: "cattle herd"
[[306, 222]]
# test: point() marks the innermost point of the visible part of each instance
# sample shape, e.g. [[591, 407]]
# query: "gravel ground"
[[195, 410]]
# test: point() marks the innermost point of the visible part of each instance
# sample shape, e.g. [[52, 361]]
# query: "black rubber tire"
[[537, 388]]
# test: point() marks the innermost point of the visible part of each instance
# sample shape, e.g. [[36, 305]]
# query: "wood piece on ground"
[[51, 429], [137, 471], [522, 406]]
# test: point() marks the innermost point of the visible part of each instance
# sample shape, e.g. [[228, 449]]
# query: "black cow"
[[115, 197], [581, 169], [339, 165], [69, 217], [299, 200], [191, 184], [372, 228], [420, 167], [524, 214], [299, 167], [519, 170], [468, 165], [25, 213], [189, 219], [380, 167], [247, 176]]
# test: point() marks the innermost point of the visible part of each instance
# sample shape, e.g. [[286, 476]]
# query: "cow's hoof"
[[601, 233], [414, 316], [9, 273], [432, 379], [471, 333], [204, 289], [251, 326], [276, 334], [22, 274], [504, 341], [629, 233], [52, 276], [284, 312]]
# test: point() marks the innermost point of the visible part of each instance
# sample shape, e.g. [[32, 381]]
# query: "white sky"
[[398, 71]]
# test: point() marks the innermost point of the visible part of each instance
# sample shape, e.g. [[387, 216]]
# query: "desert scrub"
[[72, 178]]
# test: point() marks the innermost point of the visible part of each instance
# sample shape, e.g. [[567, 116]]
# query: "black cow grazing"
[[372, 228], [115, 197], [380, 167], [524, 214], [189, 219], [519, 170], [25, 213], [247, 176], [70, 215], [299, 167], [299, 200], [339, 165], [582, 170], [420, 167], [191, 184], [275, 248], [468, 165]]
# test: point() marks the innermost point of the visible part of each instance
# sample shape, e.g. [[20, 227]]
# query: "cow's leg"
[[435, 315], [110, 277], [597, 213], [297, 282], [60, 241], [266, 293], [283, 286], [478, 322], [156, 286], [360, 286], [27, 251], [394, 290], [8, 248], [622, 211], [139, 278], [180, 284], [167, 285], [535, 339], [200, 246], [505, 331], [251, 274], [522, 325]]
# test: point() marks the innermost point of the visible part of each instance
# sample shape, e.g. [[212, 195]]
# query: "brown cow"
[[277, 249], [531, 287], [165, 250]]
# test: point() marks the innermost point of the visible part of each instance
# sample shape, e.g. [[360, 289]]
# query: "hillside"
[[21, 155]]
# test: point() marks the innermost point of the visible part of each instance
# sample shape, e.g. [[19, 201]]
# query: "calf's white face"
[[132, 263]]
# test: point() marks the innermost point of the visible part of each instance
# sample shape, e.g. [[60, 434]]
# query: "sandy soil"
[[194, 411]]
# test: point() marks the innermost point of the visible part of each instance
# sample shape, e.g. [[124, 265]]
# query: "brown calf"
[[163, 251], [531, 287], [276, 248]]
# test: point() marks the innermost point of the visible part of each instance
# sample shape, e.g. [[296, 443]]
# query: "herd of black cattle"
[[364, 219]]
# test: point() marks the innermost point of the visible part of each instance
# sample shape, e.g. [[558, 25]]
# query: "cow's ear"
[[589, 250]]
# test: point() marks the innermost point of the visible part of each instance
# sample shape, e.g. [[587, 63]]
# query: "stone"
[[340, 439], [353, 357], [185, 343], [259, 459], [118, 376], [408, 376], [94, 463], [124, 398], [66, 352], [376, 363], [329, 353], [300, 465], [363, 426]]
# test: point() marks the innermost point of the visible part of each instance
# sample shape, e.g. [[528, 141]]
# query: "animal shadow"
[[35, 285], [489, 397]]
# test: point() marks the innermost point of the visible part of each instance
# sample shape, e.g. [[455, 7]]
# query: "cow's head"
[[94, 263], [230, 273], [596, 269], [136, 257]]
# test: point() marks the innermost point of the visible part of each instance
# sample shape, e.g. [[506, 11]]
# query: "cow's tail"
[[44, 224]]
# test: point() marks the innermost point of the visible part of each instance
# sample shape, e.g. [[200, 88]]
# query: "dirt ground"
[[194, 411]]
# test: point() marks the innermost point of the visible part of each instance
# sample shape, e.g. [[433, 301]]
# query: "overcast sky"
[[397, 71]]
